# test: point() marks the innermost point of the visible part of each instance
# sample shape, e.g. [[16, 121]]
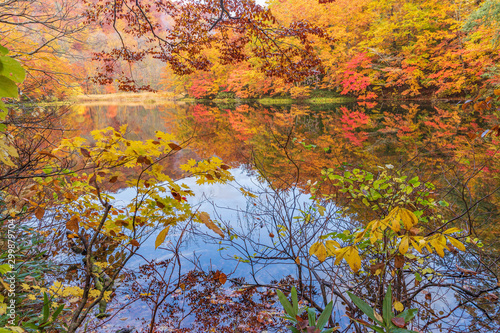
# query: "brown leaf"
[[492, 298], [176, 195], [92, 178], [173, 146], [121, 223], [399, 261], [414, 231], [271, 235], [160, 204], [39, 212], [225, 167], [209, 177], [46, 153], [313, 330], [113, 179], [205, 219], [375, 267], [156, 142], [73, 223], [134, 242], [398, 321], [466, 271], [85, 152]]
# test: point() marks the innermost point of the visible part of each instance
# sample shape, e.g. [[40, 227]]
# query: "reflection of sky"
[[231, 205]]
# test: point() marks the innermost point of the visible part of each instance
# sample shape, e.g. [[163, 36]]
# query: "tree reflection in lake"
[[288, 147]]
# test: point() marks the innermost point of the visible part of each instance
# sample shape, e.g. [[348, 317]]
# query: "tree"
[[179, 33]]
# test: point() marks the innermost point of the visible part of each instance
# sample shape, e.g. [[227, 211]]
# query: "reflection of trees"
[[291, 145]]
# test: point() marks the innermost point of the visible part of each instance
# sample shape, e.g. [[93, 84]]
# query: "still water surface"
[[431, 140]]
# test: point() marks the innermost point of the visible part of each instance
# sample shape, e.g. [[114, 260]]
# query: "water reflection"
[[290, 146]]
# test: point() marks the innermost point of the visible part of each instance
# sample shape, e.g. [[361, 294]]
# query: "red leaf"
[[398, 321]]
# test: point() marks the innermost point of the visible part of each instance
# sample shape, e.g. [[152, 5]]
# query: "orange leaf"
[[205, 219], [222, 278], [134, 242], [40, 212], [173, 146], [73, 224]]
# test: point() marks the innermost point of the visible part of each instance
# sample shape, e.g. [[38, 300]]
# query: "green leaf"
[[286, 304], [311, 315], [5, 268], [330, 330], [387, 308], [408, 314], [325, 315], [8, 88], [293, 329], [295, 301], [57, 312], [12, 69], [363, 306], [28, 325], [443, 203], [3, 50], [46, 307]]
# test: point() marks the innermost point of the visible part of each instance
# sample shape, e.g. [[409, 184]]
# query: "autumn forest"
[[249, 166]]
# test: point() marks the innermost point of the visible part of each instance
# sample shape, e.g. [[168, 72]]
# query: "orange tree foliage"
[[44, 36], [381, 48], [179, 33]]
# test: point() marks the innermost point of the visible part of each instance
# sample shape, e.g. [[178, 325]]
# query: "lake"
[[278, 154]]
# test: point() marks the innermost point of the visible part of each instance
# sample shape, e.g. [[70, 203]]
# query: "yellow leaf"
[[451, 231], [331, 247], [161, 237], [393, 219], [340, 255], [409, 219], [398, 306], [353, 259], [403, 246], [314, 248], [378, 317], [321, 252], [438, 247], [416, 246], [456, 243], [205, 219]]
